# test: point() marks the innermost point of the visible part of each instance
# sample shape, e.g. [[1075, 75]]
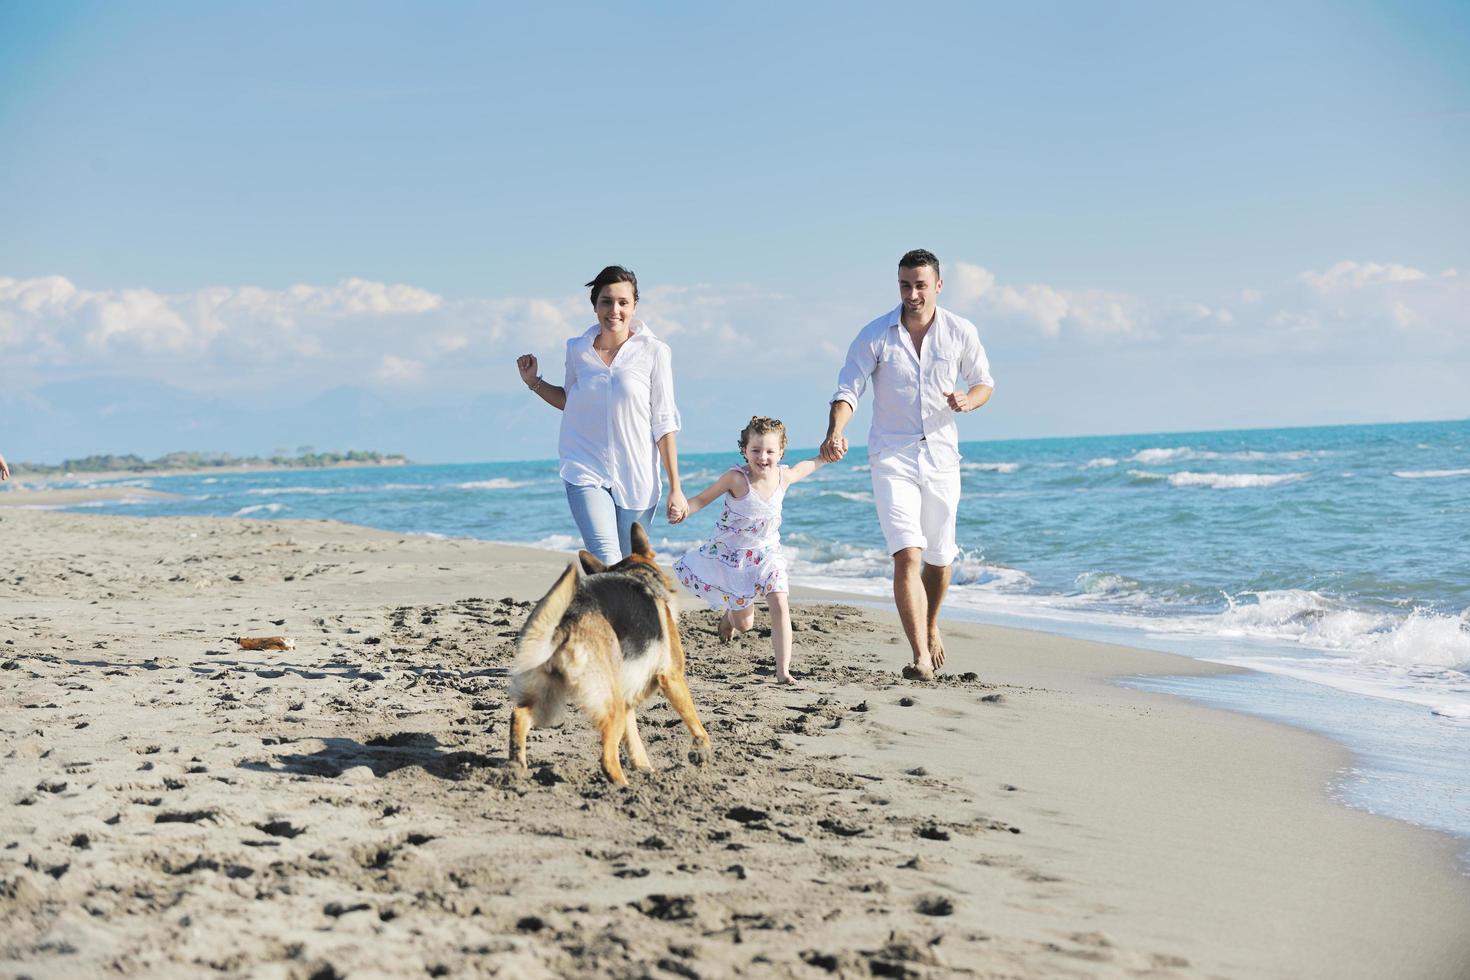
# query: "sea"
[[1332, 563]]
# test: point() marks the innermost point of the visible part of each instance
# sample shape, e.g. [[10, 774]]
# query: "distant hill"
[[208, 461]]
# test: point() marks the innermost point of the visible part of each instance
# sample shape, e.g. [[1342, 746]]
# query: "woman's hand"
[[678, 507], [526, 364]]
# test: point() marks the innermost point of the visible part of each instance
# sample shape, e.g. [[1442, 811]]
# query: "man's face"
[[919, 290]]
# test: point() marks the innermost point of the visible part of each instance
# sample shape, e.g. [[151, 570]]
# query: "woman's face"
[[615, 307]]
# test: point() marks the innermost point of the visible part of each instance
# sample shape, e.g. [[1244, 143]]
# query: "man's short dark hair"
[[918, 258], [616, 273]]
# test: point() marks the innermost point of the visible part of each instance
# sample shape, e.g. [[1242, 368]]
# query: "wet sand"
[[172, 805]]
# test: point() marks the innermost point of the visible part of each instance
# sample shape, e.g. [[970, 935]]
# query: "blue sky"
[[241, 227]]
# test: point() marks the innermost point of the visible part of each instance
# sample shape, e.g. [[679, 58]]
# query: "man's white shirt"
[[615, 415], [909, 386]]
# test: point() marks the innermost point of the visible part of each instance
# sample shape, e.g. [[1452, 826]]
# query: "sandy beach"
[[171, 805]]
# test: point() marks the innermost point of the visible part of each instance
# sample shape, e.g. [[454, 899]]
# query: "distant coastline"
[[181, 463]]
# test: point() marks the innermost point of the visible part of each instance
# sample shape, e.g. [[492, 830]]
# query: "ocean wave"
[[257, 508], [1218, 481], [1429, 474], [991, 467], [499, 483], [558, 542], [1100, 463], [305, 491], [1421, 638], [1107, 584], [1184, 453], [1232, 481], [859, 496]]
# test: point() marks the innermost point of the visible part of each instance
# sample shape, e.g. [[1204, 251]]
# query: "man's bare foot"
[[727, 628], [920, 671], [936, 648]]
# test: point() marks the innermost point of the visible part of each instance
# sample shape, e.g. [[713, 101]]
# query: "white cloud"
[[1348, 275], [973, 288], [400, 370]]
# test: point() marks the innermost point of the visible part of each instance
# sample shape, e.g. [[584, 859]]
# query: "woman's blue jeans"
[[607, 529]]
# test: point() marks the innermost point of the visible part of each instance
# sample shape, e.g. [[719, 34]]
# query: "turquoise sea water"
[[1337, 558]]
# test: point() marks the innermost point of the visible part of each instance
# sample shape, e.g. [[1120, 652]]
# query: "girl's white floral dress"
[[743, 560]]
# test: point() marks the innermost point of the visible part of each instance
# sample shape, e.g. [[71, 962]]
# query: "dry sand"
[[173, 806]]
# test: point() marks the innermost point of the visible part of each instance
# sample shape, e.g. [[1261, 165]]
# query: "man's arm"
[[852, 381], [968, 401], [834, 447]]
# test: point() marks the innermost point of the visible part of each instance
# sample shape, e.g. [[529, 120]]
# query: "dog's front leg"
[[520, 727], [637, 754]]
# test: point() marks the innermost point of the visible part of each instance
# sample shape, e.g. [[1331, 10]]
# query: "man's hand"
[[678, 507], [959, 401], [834, 447]]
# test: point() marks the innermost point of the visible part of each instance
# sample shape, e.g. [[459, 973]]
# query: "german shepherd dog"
[[607, 639]]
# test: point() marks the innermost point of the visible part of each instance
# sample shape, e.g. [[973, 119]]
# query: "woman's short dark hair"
[[610, 275], [918, 258]]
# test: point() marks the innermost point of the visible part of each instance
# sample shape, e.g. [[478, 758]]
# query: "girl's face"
[[615, 307], [763, 451]]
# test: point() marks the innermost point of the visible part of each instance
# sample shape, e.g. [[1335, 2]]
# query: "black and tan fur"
[[605, 639]]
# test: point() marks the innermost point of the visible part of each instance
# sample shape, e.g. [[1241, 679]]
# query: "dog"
[[266, 642], [607, 639]]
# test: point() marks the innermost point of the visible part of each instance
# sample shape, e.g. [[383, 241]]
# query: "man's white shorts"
[[917, 501]]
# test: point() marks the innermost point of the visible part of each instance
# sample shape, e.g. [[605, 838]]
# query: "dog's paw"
[[701, 754]]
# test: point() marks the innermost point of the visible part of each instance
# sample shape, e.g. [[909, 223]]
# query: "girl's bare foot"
[[788, 680], [727, 628]]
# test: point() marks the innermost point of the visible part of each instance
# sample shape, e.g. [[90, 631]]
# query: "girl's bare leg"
[[780, 634], [736, 621]]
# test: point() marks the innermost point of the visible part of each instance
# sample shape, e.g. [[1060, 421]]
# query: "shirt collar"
[[635, 329]]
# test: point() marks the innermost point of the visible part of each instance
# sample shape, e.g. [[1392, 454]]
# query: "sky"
[[232, 227]]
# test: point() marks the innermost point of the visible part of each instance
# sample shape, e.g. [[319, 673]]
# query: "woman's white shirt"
[[615, 415]]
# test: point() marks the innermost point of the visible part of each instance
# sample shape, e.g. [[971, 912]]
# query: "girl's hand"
[[678, 508], [526, 365]]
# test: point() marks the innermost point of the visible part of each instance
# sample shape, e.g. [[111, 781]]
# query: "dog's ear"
[[640, 542], [591, 564]]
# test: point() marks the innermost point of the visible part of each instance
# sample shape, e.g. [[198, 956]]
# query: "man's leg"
[[936, 584], [937, 515], [899, 500], [913, 608]]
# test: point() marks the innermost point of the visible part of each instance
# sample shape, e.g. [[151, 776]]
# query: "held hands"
[[834, 447], [678, 508], [526, 365]]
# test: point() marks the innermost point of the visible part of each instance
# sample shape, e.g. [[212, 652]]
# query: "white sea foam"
[[558, 542], [258, 508], [1232, 481], [1182, 453], [1100, 463], [1429, 474], [499, 483], [991, 467], [1419, 639], [296, 491], [857, 495]]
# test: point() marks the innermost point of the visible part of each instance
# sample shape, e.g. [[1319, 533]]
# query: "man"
[[925, 365], [4, 470]]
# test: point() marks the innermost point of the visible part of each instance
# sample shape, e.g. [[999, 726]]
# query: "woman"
[[618, 405]]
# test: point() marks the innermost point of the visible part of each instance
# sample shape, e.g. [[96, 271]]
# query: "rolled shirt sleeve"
[[663, 412], [974, 365], [852, 380]]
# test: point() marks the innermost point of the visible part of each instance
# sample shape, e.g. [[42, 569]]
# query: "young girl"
[[743, 561]]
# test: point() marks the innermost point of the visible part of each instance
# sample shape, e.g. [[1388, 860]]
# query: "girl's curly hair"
[[760, 425]]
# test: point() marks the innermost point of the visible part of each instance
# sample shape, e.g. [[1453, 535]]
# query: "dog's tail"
[[537, 641]]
